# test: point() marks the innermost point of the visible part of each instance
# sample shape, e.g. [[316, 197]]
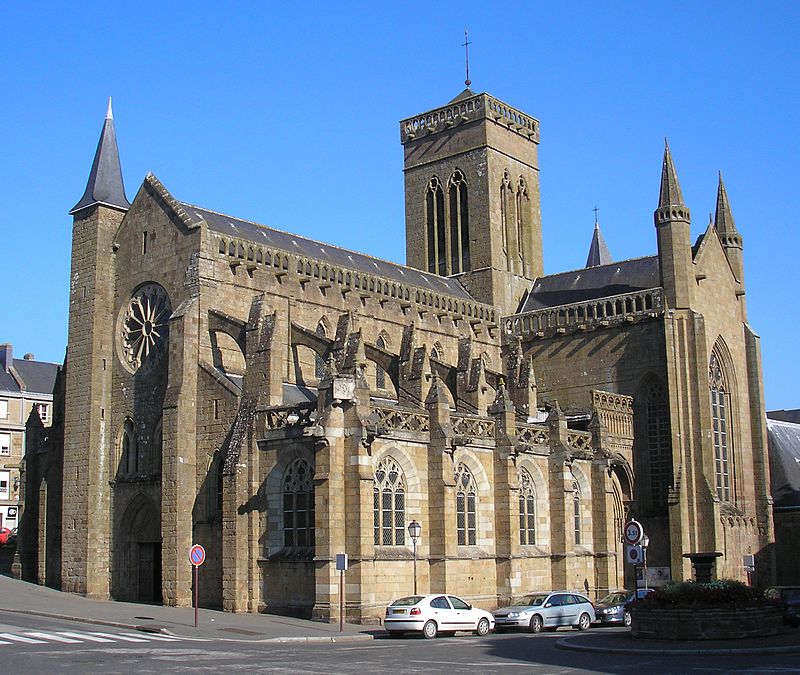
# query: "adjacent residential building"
[[26, 388]]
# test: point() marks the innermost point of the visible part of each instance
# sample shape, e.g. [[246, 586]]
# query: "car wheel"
[[483, 627], [584, 622], [626, 619], [536, 624], [429, 630]]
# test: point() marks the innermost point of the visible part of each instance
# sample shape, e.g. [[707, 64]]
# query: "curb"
[[565, 644], [165, 631]]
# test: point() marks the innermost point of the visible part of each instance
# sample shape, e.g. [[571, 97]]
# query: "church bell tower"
[[472, 196]]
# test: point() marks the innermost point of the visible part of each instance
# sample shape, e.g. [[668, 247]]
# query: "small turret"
[[598, 251], [105, 184], [729, 236], [672, 220]]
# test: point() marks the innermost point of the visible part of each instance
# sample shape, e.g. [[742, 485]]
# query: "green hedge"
[[720, 593]]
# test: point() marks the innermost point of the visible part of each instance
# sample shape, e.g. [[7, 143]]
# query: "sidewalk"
[[27, 598], [601, 640]]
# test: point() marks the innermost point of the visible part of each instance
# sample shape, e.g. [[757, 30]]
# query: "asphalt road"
[[34, 645]]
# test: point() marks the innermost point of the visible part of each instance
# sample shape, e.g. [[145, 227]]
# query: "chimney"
[[6, 356], [29, 356]]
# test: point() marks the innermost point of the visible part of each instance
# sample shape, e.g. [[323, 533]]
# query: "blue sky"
[[287, 114]]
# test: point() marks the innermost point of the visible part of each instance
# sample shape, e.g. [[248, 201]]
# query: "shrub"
[[715, 594]]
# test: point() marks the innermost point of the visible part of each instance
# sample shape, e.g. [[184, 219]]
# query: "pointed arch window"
[[466, 506], [298, 505], [389, 496], [576, 512], [721, 426], [527, 509], [319, 362], [505, 217], [128, 449], [380, 373], [436, 231], [459, 223], [437, 351], [659, 445], [522, 225]]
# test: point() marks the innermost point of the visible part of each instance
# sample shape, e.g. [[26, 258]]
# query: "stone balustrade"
[[587, 315]]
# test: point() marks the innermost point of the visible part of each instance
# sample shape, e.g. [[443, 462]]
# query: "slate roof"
[[105, 184], [784, 415], [784, 463], [39, 377], [333, 255], [625, 276]]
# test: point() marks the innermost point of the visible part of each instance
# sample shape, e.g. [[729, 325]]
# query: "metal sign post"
[[197, 556], [341, 566]]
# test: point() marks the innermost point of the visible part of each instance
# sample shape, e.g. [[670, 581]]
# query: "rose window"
[[145, 326]]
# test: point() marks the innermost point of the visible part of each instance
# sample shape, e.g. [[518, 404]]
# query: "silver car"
[[546, 610]]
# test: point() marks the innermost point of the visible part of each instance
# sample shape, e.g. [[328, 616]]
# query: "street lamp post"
[[414, 530], [645, 544]]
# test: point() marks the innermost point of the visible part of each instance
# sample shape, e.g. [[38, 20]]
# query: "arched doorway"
[[138, 552]]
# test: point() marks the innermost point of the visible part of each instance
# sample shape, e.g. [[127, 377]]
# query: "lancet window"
[[128, 448], [319, 362], [466, 506], [389, 504], [576, 512], [527, 509], [658, 443], [298, 504], [721, 426], [447, 226], [380, 373], [459, 223], [434, 216]]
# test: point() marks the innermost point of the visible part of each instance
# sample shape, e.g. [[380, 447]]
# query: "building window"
[[459, 223], [298, 505], [521, 211], [3, 409], [5, 444], [720, 418], [576, 511], [380, 373], [527, 509], [128, 449], [466, 506], [389, 504], [505, 218], [434, 218], [43, 410], [658, 443], [5, 485], [319, 362]]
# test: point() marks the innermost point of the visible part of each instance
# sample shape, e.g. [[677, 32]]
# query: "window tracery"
[[576, 511], [466, 506], [298, 505], [527, 509], [720, 418], [389, 507], [658, 443]]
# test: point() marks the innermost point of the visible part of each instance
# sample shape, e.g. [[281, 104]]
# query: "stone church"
[[280, 400]]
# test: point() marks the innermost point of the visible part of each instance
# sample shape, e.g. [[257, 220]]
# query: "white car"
[[434, 614]]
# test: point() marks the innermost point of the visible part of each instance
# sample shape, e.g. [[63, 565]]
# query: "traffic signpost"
[[197, 556]]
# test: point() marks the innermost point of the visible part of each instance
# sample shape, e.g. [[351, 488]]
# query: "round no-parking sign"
[[197, 555]]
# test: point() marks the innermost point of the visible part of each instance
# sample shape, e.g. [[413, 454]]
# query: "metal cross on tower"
[[595, 209], [466, 45]]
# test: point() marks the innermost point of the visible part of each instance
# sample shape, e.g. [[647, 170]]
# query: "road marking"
[[21, 638], [126, 638], [153, 636], [84, 636], [51, 636]]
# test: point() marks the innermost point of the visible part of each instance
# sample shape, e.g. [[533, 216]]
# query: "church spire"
[[723, 217], [105, 184], [670, 193], [598, 251]]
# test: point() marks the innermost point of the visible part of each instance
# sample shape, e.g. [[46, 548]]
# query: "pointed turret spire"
[[670, 193], [105, 184], [598, 251], [723, 217]]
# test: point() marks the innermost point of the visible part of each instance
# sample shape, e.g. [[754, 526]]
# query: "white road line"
[[84, 636], [113, 636], [21, 638], [51, 636], [3, 642], [153, 636]]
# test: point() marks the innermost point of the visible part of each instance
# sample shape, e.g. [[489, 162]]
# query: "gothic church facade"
[[280, 400]]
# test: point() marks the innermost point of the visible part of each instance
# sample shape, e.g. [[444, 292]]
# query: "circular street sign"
[[633, 532], [197, 555]]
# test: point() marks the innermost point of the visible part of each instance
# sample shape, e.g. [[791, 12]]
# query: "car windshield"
[[529, 601], [614, 599], [407, 602]]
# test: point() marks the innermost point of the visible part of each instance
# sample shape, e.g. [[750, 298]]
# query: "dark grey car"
[[612, 609]]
